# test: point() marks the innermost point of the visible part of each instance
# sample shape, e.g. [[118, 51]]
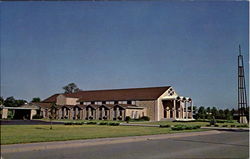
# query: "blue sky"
[[192, 46]]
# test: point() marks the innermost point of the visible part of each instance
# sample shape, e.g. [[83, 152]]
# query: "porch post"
[[183, 106], [191, 109], [89, 112], [103, 112], [117, 112], [174, 112], [124, 114]]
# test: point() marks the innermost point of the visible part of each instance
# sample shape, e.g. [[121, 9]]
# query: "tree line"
[[12, 102], [210, 112]]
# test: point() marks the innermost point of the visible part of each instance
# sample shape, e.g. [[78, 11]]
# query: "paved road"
[[229, 144]]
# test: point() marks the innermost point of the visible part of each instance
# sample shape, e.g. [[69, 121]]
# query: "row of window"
[[108, 102]]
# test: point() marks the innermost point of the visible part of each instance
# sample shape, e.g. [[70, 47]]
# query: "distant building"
[[158, 103]]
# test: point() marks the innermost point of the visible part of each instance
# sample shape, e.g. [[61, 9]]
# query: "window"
[[92, 102], [116, 102], [110, 102], [129, 102], [86, 103], [98, 103], [103, 102], [122, 102], [81, 103]]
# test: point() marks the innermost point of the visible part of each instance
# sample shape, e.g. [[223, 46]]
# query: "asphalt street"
[[228, 144]]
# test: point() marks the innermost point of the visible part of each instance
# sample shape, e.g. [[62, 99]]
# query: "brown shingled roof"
[[42, 104], [150, 93], [51, 99]]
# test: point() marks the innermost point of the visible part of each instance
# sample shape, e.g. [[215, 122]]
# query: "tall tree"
[[201, 112], [10, 102], [71, 88], [228, 114], [1, 100], [36, 99], [214, 112], [221, 114], [208, 113], [20, 102]]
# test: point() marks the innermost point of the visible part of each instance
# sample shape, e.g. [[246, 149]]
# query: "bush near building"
[[184, 127]]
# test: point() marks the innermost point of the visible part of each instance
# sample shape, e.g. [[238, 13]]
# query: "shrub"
[[37, 116], [68, 123], [145, 118], [208, 125], [216, 125], [91, 123], [242, 126], [232, 126], [185, 127], [197, 127], [103, 123], [213, 122], [177, 128], [113, 124], [127, 119], [165, 126], [224, 125], [78, 123]]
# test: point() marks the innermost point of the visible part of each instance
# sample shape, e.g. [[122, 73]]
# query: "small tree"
[[53, 114], [127, 119], [71, 88], [36, 99]]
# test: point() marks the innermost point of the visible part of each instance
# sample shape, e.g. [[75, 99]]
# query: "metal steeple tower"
[[242, 95]]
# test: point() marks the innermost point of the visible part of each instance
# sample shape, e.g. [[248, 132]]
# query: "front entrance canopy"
[[25, 112]]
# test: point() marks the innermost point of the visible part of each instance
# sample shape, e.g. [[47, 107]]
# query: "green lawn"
[[13, 134]]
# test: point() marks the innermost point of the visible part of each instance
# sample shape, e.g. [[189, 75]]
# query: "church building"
[[157, 103]]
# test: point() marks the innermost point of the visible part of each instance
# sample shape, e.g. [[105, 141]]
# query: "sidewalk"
[[93, 142]]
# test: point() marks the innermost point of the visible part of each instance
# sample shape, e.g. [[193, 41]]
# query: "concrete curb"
[[226, 129], [94, 142]]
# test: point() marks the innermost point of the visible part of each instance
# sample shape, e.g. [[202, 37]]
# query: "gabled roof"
[[42, 104], [150, 93], [51, 99]]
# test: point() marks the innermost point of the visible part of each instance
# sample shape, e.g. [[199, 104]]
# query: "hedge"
[[185, 127], [113, 124], [165, 126]]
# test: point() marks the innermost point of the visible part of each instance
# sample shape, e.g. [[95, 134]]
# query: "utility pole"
[[242, 95]]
